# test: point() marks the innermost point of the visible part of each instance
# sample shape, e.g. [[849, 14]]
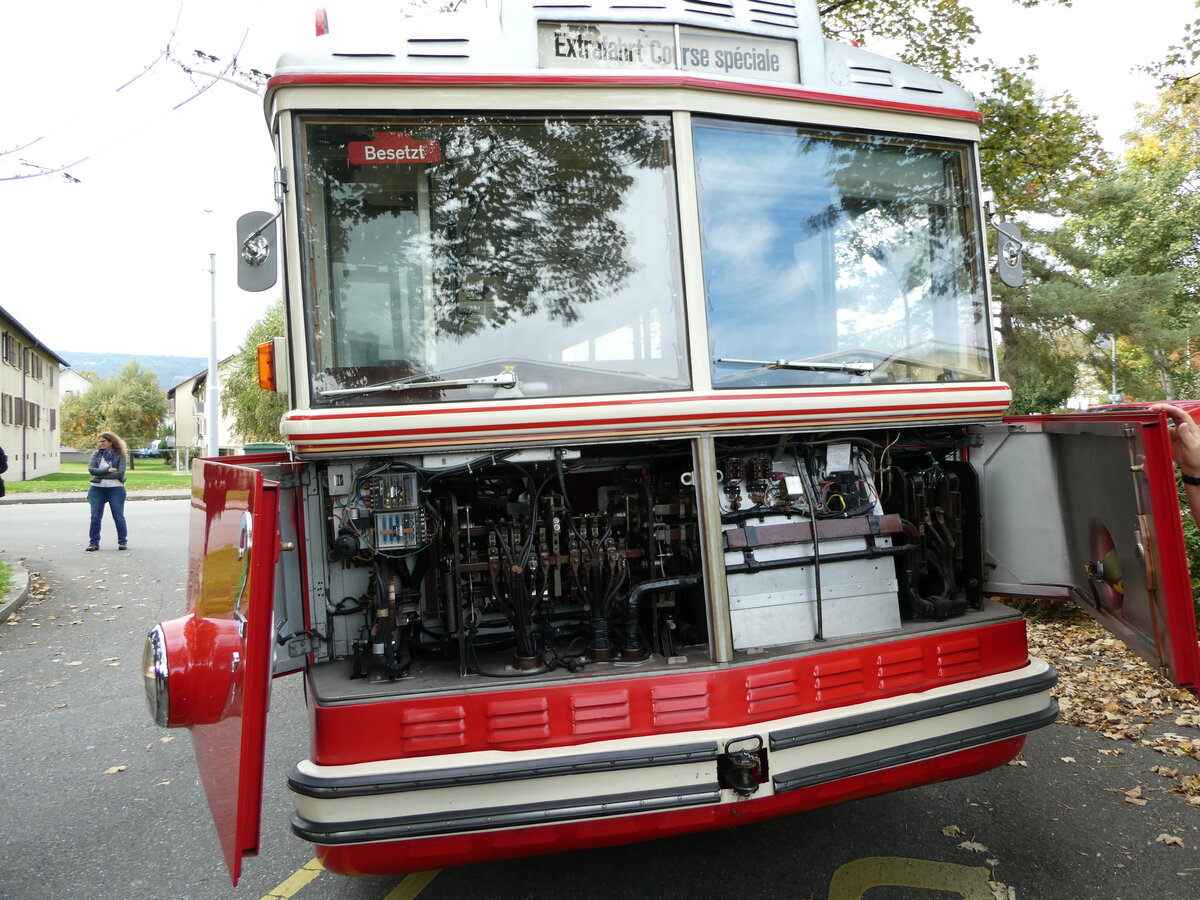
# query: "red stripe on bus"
[[708, 84]]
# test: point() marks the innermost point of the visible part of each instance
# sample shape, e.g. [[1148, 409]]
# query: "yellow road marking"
[[294, 882], [854, 879], [412, 885]]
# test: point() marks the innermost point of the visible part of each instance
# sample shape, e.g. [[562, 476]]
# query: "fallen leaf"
[[1135, 796], [114, 770], [1067, 759], [973, 845], [1170, 840], [952, 831], [1165, 772]]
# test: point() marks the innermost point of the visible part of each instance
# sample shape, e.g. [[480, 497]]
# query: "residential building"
[[75, 383], [188, 402], [29, 400]]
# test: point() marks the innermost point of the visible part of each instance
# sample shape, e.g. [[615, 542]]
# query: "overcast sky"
[[119, 261]]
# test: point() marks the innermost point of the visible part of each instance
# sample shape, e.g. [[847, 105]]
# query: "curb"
[[18, 593], [81, 497]]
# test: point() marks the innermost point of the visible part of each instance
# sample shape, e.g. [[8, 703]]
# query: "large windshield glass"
[[478, 259], [837, 258]]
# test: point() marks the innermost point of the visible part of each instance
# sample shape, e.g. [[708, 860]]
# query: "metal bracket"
[[295, 479], [302, 644]]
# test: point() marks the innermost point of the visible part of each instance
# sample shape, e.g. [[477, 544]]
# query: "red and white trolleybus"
[[647, 470]]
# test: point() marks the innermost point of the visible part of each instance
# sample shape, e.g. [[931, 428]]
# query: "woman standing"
[[107, 469]]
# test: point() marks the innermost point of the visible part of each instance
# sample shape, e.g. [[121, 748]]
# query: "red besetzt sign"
[[391, 148]]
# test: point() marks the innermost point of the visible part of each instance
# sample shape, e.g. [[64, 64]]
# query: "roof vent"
[[875, 75], [439, 48], [774, 12], [720, 8]]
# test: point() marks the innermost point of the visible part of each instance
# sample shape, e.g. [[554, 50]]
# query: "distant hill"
[[171, 370]]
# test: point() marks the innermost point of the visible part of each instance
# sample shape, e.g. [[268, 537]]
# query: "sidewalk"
[[81, 496]]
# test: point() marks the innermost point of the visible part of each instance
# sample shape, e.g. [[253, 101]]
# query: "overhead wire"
[[165, 53]]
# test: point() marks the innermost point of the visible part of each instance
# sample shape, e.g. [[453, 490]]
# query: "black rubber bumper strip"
[[523, 816], [916, 751], [587, 764], [1034, 683]]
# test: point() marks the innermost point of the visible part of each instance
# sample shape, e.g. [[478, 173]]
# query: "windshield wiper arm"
[[507, 379], [853, 368]]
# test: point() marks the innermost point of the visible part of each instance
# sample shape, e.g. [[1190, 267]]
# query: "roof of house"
[[30, 339]]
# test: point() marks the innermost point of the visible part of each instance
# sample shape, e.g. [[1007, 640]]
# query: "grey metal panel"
[[1059, 498]]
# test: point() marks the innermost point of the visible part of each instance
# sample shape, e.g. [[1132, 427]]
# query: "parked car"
[[157, 450]]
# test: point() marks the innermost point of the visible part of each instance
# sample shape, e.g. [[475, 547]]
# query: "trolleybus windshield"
[[837, 258], [476, 258]]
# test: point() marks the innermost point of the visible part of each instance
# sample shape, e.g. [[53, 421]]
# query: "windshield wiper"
[[506, 379], [853, 368]]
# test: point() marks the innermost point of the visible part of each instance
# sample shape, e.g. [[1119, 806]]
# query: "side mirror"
[[1008, 256], [256, 251]]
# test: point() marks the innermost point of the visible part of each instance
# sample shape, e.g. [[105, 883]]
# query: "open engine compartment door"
[[1084, 507], [226, 644]]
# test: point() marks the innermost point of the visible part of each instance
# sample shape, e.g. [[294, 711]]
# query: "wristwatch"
[[1190, 479]]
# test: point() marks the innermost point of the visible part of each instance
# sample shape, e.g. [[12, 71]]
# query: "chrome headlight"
[[154, 676]]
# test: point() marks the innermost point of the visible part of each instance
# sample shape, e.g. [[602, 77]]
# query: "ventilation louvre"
[[717, 8], [781, 13], [439, 48], [873, 75]]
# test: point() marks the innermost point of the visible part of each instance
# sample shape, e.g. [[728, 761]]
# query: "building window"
[[53, 417]]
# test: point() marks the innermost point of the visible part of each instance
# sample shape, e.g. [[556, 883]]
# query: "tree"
[[1135, 236], [1037, 154], [255, 412], [933, 35], [131, 404]]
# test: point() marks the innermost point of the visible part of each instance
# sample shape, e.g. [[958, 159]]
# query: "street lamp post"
[[213, 416], [1113, 395]]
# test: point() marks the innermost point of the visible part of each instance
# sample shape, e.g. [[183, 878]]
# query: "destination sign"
[[614, 45]]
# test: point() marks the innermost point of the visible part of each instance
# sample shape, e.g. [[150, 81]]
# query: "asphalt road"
[[72, 710]]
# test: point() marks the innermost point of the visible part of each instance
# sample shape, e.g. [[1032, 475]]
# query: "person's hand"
[[1185, 438]]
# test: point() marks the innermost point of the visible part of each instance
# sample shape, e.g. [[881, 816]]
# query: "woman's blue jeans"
[[115, 498]]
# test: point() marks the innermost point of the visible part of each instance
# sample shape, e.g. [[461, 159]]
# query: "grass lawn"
[[150, 473], [5, 578]]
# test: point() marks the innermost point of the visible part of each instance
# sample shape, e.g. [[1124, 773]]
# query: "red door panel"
[[227, 644]]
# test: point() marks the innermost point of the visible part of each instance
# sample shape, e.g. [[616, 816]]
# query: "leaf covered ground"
[[1105, 687]]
